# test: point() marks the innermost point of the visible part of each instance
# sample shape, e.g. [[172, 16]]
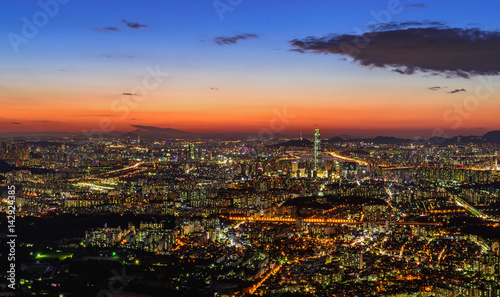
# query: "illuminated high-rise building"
[[317, 149], [295, 168], [496, 161], [191, 151]]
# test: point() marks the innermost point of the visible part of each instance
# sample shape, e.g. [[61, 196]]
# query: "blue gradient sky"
[[67, 76]]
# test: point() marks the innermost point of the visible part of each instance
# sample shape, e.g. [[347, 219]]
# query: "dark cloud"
[[456, 91], [415, 5], [401, 25], [128, 94], [404, 70], [453, 52], [298, 50], [107, 29], [225, 40], [134, 25], [15, 123], [435, 88], [214, 89]]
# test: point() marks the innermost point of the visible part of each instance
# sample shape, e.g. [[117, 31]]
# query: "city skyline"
[[241, 67], [249, 148]]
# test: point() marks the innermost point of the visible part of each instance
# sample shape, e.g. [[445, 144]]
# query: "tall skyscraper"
[[317, 149], [295, 168], [191, 151], [496, 161]]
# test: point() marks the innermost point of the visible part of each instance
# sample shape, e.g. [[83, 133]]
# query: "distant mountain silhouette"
[[436, 140], [294, 143], [464, 140], [376, 140], [389, 140], [151, 132], [492, 136], [335, 140]]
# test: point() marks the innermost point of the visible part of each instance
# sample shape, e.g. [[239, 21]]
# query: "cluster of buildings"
[[319, 218]]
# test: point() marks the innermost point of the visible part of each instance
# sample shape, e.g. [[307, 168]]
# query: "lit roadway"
[[332, 154], [462, 203], [321, 221], [469, 207], [252, 289], [337, 156], [102, 175], [125, 168]]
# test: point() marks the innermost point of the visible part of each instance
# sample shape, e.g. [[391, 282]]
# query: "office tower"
[[317, 149], [295, 168], [496, 161], [191, 151]]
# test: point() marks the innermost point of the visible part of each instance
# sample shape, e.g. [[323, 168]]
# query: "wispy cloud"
[[16, 123], [98, 115], [415, 5], [401, 25], [107, 29], [457, 91], [435, 88], [134, 25], [118, 56], [128, 94], [225, 40]]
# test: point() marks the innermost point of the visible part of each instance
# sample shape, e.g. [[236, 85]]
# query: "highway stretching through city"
[[324, 221]]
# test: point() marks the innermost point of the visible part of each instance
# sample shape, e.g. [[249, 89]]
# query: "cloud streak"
[[452, 52], [457, 91], [415, 5], [225, 40], [134, 25], [401, 25], [107, 29]]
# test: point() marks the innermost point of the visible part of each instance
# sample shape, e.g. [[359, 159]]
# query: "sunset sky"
[[233, 65]]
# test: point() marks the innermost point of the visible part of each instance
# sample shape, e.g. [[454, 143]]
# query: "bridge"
[[397, 168], [344, 158], [133, 169], [323, 221]]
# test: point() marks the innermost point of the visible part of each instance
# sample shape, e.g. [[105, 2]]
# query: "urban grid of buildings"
[[274, 217]]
